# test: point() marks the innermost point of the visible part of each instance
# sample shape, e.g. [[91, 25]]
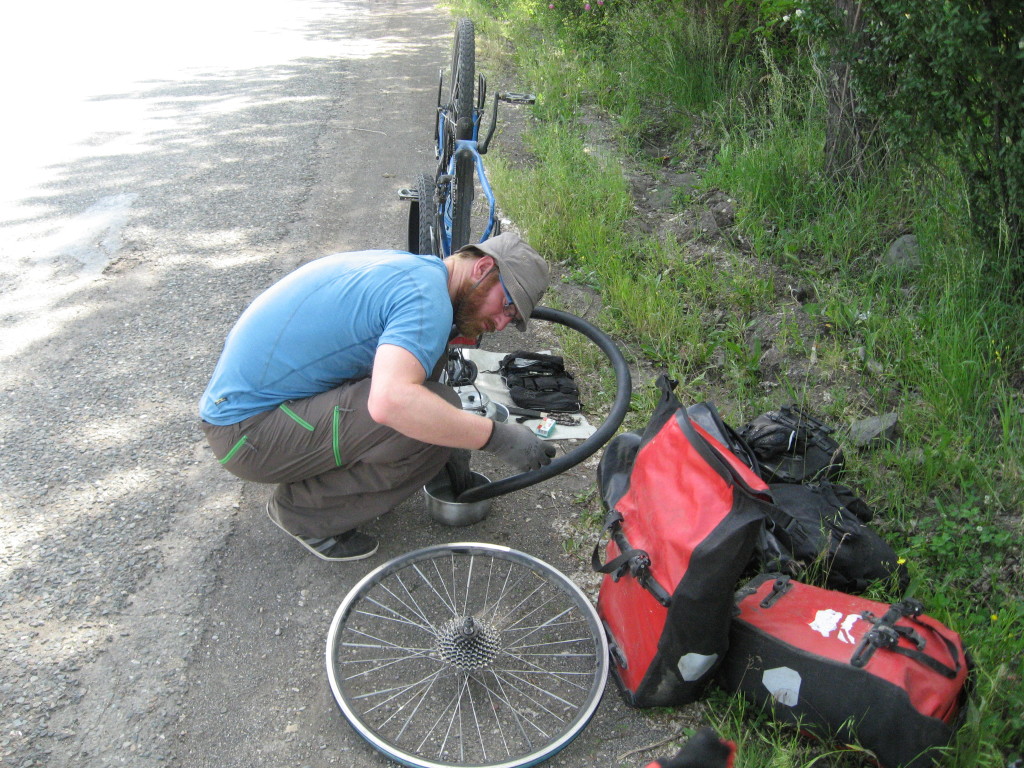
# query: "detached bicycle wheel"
[[467, 655]]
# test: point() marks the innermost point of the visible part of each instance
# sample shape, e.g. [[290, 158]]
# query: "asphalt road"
[[163, 166]]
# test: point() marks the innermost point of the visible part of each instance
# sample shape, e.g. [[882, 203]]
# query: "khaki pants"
[[336, 468]]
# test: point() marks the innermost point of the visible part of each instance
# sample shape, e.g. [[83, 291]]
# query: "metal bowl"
[[444, 509]]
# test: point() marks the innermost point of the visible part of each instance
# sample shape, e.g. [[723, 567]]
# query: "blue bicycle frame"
[[474, 149], [464, 147]]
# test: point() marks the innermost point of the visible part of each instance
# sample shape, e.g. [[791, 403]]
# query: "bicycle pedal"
[[408, 194], [518, 98]]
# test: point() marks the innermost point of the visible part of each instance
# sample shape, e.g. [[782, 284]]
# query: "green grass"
[[940, 344]]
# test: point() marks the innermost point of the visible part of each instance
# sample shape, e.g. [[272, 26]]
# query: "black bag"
[[706, 415], [792, 447], [540, 382], [841, 666], [826, 524]]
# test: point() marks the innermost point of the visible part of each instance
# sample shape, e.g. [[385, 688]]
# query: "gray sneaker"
[[350, 545]]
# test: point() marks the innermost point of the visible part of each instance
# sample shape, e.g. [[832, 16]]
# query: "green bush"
[[585, 21], [947, 75]]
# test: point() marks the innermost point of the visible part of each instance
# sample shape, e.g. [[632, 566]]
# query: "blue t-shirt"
[[321, 325]]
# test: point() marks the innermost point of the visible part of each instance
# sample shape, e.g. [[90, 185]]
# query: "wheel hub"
[[467, 644]]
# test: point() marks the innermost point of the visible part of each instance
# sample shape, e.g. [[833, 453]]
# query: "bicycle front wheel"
[[463, 81], [467, 655], [462, 78]]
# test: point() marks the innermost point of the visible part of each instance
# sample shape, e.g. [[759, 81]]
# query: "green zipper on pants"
[[334, 436], [234, 449], [296, 418]]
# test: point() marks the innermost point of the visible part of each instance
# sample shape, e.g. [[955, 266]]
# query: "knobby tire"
[[463, 81]]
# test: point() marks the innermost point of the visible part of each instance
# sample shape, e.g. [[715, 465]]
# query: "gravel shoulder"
[[151, 613]]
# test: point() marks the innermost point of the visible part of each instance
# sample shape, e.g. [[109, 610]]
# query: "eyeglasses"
[[509, 308]]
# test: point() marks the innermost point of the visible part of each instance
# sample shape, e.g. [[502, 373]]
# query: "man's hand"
[[519, 446]]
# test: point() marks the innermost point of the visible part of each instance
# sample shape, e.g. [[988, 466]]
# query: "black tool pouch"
[[540, 382]]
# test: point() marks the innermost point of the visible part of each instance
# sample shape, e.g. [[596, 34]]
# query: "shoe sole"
[[315, 551]]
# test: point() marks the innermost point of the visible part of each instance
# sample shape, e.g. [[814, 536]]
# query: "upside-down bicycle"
[[440, 216], [472, 654]]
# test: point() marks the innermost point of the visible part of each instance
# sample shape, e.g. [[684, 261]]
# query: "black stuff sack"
[[845, 668], [540, 382], [683, 517], [706, 415], [792, 446], [824, 526]]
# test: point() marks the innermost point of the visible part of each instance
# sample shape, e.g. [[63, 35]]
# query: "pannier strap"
[[886, 634], [612, 519], [635, 562]]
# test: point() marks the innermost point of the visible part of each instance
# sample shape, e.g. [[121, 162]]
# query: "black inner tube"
[[604, 433]]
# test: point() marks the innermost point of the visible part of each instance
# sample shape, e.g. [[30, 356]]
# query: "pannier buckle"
[[779, 588], [639, 564], [911, 608], [879, 636], [883, 636]]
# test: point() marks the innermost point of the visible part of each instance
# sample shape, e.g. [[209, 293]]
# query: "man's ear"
[[482, 266]]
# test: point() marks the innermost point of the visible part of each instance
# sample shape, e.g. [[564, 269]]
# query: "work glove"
[[519, 446], [705, 750]]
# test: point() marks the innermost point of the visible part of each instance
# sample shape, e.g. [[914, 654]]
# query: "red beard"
[[468, 302]]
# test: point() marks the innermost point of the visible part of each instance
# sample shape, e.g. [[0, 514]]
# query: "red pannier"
[[684, 516], [840, 666]]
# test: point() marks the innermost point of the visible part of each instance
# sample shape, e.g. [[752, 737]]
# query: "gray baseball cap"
[[523, 271]]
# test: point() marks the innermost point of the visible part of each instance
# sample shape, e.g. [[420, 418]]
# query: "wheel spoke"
[[452, 704], [545, 625], [412, 715], [456, 715], [397, 617], [449, 605], [522, 694], [410, 603], [384, 644], [396, 692]]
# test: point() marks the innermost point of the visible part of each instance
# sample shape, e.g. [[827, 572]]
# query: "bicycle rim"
[[467, 655]]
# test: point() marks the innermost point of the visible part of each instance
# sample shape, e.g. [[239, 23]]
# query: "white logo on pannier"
[[827, 621]]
